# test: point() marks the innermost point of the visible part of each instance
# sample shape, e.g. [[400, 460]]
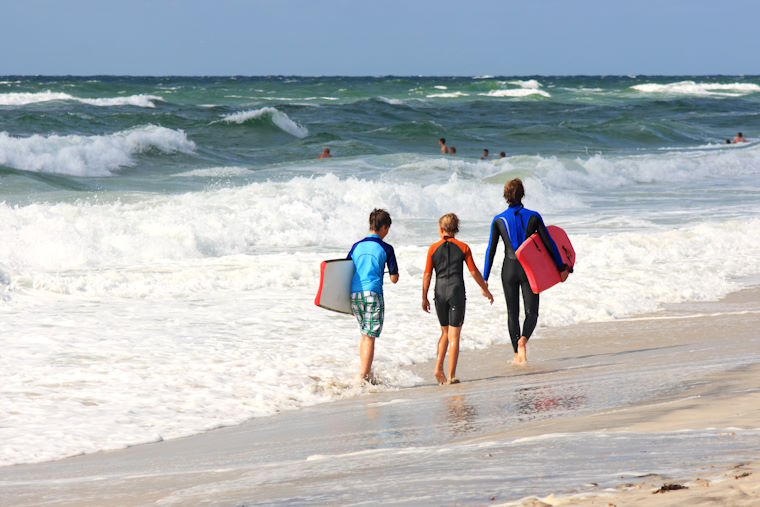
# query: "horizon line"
[[375, 76]]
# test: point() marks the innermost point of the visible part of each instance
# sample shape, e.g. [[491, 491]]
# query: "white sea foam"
[[173, 314], [24, 98], [526, 89], [277, 117], [214, 172], [530, 83], [516, 92], [441, 87], [449, 95], [155, 316], [88, 155], [393, 102], [694, 88]]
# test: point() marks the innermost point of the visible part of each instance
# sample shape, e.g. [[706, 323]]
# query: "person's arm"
[[425, 288], [483, 285], [476, 275], [392, 264], [493, 242], [427, 277], [536, 224]]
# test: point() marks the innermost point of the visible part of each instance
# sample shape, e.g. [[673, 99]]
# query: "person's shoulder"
[[434, 246], [386, 246], [464, 247]]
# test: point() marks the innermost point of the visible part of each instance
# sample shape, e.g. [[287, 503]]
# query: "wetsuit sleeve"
[[493, 242], [536, 224], [391, 260], [429, 260], [468, 258]]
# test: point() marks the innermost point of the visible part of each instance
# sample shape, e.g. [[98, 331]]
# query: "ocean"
[[160, 237]]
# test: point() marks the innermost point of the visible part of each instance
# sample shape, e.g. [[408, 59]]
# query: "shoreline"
[[582, 381]]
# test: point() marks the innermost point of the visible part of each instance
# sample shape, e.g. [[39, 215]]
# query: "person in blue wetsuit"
[[514, 225]]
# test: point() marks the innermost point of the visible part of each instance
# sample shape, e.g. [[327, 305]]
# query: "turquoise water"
[[355, 117], [160, 237]]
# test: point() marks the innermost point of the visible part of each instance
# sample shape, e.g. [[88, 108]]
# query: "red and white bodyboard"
[[537, 261], [335, 285]]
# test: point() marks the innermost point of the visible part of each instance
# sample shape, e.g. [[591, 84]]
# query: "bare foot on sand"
[[440, 377], [371, 379], [521, 357], [453, 380]]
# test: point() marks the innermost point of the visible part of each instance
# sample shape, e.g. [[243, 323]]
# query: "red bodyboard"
[[537, 261]]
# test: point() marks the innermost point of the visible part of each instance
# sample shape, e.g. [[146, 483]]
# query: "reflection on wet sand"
[[541, 401], [461, 416]]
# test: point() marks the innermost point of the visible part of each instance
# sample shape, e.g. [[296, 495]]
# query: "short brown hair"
[[514, 191], [378, 219], [449, 223]]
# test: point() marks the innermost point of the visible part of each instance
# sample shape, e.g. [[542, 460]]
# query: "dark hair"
[[452, 149], [514, 191], [502, 154], [728, 141], [485, 150], [740, 134], [378, 219], [442, 140]]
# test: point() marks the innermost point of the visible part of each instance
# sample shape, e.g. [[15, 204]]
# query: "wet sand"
[[603, 413]]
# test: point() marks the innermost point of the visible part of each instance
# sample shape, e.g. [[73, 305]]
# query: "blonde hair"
[[449, 223]]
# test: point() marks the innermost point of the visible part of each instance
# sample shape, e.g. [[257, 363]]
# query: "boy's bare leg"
[[443, 343], [454, 333], [366, 354], [522, 351]]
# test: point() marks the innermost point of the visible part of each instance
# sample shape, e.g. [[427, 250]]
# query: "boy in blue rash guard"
[[514, 225], [370, 255]]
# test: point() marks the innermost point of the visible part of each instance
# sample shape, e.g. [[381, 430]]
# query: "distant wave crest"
[[694, 88], [25, 98], [516, 92], [280, 119], [447, 95], [393, 102], [76, 155], [526, 89]]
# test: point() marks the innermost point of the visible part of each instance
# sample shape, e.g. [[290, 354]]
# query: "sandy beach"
[[605, 413]]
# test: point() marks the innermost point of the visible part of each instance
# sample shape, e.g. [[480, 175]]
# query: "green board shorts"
[[369, 309]]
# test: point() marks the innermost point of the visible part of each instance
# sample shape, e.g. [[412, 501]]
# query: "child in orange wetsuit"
[[447, 257]]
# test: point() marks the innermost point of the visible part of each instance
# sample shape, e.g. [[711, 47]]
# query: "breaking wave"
[[277, 117], [77, 155], [24, 98], [699, 89]]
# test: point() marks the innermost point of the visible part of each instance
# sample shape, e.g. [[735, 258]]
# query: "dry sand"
[[682, 387]]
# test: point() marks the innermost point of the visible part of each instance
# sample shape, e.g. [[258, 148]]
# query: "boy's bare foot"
[[453, 380], [371, 379], [440, 377]]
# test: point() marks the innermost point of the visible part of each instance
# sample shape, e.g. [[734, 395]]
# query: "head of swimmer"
[[514, 191], [379, 222], [448, 225]]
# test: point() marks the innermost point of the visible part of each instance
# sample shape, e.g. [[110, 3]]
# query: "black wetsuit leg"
[[513, 279], [451, 311]]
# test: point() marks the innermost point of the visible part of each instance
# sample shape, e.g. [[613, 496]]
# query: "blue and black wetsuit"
[[514, 225]]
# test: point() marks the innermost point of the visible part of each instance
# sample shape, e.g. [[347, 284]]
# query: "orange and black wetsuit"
[[447, 257]]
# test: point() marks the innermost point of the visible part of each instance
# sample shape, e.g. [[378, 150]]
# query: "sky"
[[382, 37]]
